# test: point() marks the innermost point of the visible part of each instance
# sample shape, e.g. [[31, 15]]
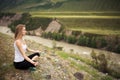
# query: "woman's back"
[[18, 55]]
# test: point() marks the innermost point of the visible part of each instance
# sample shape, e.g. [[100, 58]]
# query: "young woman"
[[21, 60]]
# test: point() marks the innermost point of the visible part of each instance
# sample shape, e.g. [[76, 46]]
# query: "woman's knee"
[[37, 53]]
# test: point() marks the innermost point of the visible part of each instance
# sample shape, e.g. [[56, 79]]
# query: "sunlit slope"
[[60, 5], [91, 22]]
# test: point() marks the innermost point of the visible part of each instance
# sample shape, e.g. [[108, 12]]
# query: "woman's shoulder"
[[18, 42]]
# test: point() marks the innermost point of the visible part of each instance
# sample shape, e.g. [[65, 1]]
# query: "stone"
[[78, 75]]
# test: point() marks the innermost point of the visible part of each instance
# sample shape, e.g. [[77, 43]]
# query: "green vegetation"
[[100, 62], [74, 59], [90, 28], [6, 14], [79, 66], [95, 26], [74, 56], [6, 55], [59, 5], [98, 37], [77, 14], [89, 40], [104, 23], [31, 23]]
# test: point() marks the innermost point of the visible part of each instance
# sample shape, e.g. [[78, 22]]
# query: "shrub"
[[76, 33], [93, 42], [6, 14], [99, 61], [31, 22], [101, 42], [44, 35], [94, 58], [71, 39], [82, 41], [102, 62], [117, 49], [106, 78]]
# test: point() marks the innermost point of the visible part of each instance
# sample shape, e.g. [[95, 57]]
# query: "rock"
[[6, 20], [48, 77], [54, 26], [78, 75], [36, 32]]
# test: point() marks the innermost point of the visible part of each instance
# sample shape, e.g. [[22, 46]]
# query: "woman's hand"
[[30, 50], [38, 51], [35, 63]]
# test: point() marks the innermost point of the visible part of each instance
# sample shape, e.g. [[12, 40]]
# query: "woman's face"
[[24, 31]]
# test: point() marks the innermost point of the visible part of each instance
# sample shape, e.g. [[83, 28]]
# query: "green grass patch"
[[97, 31], [76, 16], [74, 56], [6, 54], [95, 74], [105, 23], [113, 13], [80, 67], [96, 15], [63, 54]]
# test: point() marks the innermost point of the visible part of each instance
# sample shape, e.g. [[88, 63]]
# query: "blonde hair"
[[18, 31]]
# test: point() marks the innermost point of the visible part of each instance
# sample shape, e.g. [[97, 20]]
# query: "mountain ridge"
[[59, 5]]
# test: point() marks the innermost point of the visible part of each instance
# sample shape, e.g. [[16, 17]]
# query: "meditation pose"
[[21, 60]]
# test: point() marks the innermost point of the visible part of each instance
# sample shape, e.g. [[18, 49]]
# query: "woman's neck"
[[20, 38]]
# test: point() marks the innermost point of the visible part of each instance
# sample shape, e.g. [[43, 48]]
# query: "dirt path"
[[49, 43], [84, 51]]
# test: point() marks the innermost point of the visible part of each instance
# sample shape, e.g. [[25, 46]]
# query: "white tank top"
[[18, 55]]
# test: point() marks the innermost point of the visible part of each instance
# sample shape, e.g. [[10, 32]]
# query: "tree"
[[71, 39], [82, 41]]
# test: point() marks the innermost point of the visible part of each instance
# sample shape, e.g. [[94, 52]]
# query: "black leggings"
[[25, 64]]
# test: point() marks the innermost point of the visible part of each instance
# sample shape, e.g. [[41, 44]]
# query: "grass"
[[98, 31], [62, 5], [7, 70], [75, 16], [5, 49], [105, 23], [87, 5], [99, 15], [6, 54], [95, 74], [75, 56]]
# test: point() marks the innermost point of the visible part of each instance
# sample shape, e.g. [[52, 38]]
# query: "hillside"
[[59, 5], [55, 65]]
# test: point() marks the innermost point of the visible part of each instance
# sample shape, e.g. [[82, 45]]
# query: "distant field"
[[98, 31], [77, 14], [91, 22]]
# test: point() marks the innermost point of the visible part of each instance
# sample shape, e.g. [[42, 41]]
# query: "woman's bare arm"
[[30, 50], [19, 45]]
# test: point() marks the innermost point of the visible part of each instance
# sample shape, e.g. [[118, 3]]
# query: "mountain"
[[59, 5]]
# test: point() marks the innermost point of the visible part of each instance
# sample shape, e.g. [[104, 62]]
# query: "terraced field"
[[105, 23]]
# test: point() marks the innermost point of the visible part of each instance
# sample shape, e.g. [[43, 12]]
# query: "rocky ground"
[[53, 64]]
